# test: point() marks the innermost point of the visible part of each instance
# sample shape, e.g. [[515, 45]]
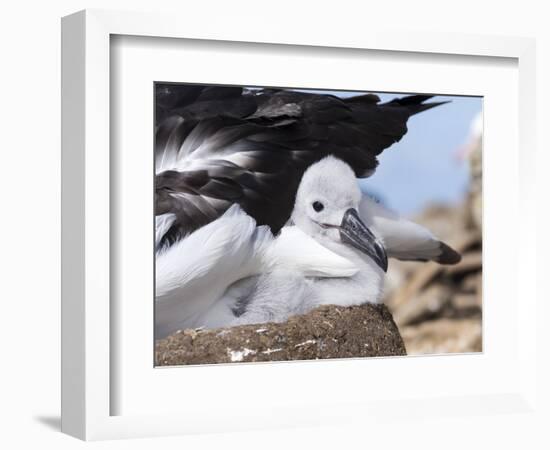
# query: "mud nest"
[[326, 332]]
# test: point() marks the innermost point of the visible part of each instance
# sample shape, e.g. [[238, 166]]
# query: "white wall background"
[[30, 145]]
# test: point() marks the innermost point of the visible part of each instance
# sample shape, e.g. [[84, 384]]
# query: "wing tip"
[[415, 103], [448, 255], [425, 106]]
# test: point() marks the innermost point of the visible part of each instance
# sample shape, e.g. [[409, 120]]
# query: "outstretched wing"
[[215, 146]]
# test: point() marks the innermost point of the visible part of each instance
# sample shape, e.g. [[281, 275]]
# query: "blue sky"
[[422, 168]]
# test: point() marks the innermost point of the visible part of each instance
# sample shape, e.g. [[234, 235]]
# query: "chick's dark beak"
[[355, 233]]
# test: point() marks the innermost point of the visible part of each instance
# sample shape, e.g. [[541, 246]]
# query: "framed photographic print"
[[246, 209], [267, 207]]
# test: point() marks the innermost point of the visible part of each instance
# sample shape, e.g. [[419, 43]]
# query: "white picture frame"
[[88, 385]]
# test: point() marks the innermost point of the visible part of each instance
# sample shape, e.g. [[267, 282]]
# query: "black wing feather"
[[251, 146]]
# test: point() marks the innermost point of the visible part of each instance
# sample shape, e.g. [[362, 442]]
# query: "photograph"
[[303, 224]]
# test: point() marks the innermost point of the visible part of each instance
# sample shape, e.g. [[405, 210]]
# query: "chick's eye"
[[318, 206]]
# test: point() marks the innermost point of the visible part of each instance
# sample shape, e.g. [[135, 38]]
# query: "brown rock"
[[424, 305], [444, 336], [326, 332]]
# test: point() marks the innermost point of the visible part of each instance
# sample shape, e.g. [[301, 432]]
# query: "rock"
[[424, 305], [438, 309], [475, 196], [326, 332], [444, 336]]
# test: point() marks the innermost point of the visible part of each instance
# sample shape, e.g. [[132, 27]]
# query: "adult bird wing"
[[215, 146], [194, 274], [404, 239]]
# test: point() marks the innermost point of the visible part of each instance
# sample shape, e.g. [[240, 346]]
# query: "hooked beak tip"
[[355, 233]]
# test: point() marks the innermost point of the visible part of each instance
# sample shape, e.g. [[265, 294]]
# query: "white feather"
[[167, 159], [194, 273], [295, 251], [200, 279], [163, 222]]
